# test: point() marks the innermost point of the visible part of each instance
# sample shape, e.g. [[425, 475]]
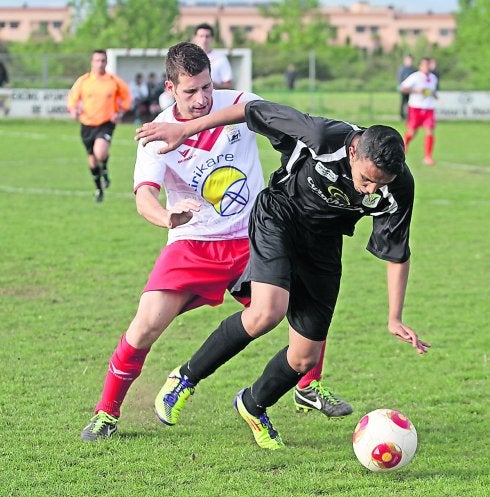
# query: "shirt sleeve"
[[124, 95], [284, 126], [75, 95], [390, 236], [150, 167]]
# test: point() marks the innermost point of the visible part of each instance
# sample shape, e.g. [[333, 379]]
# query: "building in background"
[[362, 25], [22, 23]]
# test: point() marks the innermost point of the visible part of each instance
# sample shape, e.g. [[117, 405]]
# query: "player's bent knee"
[[259, 322]]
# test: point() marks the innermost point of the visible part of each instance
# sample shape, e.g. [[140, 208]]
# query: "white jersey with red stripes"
[[219, 168], [421, 81]]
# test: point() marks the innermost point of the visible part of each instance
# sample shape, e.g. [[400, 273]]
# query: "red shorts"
[[420, 117], [205, 269]]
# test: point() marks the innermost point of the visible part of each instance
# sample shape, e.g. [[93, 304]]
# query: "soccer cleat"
[[319, 397], [102, 425], [99, 195], [264, 433], [429, 161], [172, 397]]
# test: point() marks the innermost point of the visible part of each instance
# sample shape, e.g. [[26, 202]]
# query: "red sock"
[[315, 373], [428, 145], [124, 367], [408, 138]]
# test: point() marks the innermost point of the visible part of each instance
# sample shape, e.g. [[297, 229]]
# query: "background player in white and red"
[[421, 86]]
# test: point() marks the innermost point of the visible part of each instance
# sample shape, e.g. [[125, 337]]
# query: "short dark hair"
[[103, 52], [204, 25], [185, 58], [383, 146]]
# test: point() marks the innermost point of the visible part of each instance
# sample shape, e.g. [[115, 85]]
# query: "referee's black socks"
[[96, 177]]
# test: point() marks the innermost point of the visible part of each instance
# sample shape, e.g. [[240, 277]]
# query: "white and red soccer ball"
[[384, 440]]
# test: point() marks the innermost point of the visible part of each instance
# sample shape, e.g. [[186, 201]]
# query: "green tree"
[[125, 24], [473, 41], [298, 24]]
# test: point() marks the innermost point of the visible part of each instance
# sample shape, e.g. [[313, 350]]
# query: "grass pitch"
[[70, 276]]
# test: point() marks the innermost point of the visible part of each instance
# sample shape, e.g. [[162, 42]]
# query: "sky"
[[404, 5]]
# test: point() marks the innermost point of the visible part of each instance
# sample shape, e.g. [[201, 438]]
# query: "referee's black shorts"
[[91, 133], [309, 266]]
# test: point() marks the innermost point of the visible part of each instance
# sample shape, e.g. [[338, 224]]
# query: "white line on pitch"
[[59, 193]]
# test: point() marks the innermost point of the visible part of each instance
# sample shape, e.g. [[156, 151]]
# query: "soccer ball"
[[384, 440]]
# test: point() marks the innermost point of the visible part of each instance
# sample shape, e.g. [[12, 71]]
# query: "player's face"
[[424, 66], [98, 63], [193, 95], [366, 176], [204, 39]]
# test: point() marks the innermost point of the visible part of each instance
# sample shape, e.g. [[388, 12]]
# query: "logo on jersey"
[[184, 153], [325, 171], [233, 135], [227, 190], [338, 195], [371, 200]]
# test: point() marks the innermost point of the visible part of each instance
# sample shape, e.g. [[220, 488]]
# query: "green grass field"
[[70, 276]]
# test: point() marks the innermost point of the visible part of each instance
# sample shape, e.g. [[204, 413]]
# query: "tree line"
[[143, 24]]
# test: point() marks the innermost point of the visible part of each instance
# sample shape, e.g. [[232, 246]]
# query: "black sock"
[[277, 379], [225, 342], [96, 177], [104, 171]]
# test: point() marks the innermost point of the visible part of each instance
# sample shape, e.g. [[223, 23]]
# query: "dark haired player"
[[332, 173]]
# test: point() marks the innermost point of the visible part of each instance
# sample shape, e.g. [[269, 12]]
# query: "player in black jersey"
[[332, 173]]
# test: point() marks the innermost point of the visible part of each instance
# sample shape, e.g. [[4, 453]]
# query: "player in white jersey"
[[421, 86], [211, 183], [220, 65]]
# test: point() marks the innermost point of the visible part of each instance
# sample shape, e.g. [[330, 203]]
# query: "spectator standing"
[[4, 75], [404, 71], [221, 73], [290, 76], [435, 71], [421, 88], [155, 89], [98, 100], [139, 96]]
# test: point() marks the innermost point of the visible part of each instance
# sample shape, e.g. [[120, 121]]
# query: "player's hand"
[[182, 212], [406, 334], [171, 134]]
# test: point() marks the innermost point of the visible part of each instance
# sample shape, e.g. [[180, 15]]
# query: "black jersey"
[[315, 179]]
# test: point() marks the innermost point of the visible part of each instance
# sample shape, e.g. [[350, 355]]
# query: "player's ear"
[[352, 151]]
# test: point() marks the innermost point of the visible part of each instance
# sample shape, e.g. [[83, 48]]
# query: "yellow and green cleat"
[[264, 433], [173, 395]]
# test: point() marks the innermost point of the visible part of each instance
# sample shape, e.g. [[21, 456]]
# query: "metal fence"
[[44, 70]]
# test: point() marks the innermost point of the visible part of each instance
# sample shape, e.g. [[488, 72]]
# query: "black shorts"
[[308, 265], [91, 133]]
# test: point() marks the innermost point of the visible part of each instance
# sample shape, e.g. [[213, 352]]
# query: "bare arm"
[[397, 277], [175, 134], [148, 206]]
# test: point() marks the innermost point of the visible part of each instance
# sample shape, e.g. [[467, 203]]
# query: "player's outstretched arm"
[[175, 134], [149, 206], [397, 277]]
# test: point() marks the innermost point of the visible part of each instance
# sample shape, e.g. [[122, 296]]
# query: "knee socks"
[[225, 342], [278, 377], [124, 367], [315, 373]]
